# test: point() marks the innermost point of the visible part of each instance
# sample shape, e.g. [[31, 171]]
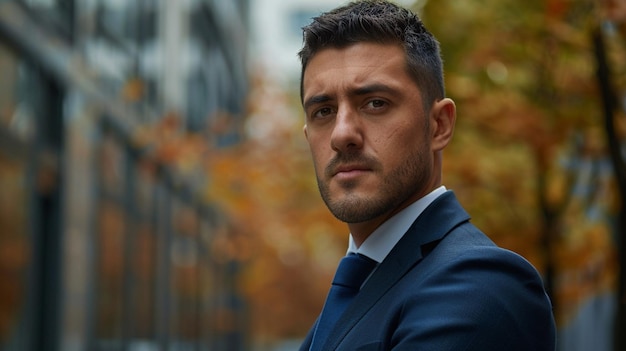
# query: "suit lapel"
[[432, 225]]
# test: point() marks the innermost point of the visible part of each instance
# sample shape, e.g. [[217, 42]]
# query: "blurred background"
[[156, 191]]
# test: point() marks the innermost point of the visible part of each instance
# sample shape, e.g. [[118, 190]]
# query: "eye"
[[322, 112], [376, 104]]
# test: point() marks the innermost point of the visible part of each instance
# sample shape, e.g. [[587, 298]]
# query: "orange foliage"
[[530, 116]]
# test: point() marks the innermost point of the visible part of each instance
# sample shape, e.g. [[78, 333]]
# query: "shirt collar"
[[378, 245]]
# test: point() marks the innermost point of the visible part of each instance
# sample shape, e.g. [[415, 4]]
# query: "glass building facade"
[[104, 245]]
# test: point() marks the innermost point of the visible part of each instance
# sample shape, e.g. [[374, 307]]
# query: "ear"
[[443, 117], [305, 133]]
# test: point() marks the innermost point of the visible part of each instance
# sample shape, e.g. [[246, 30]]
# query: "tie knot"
[[352, 271]]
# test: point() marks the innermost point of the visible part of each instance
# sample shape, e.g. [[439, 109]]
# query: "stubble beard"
[[396, 187]]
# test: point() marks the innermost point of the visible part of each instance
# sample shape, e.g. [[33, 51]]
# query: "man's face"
[[369, 135]]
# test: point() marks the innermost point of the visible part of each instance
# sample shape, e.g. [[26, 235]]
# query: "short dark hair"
[[379, 22]]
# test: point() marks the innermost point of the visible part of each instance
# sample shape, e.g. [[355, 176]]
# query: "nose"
[[347, 132]]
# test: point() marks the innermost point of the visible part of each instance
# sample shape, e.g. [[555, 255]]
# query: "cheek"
[[403, 143], [402, 138], [318, 144], [318, 158]]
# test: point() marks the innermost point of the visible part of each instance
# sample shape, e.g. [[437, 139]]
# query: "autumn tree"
[[534, 168], [611, 76]]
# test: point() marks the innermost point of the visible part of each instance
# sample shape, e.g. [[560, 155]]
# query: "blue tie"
[[351, 273]]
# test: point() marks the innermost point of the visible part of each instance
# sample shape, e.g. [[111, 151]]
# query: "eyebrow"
[[316, 99], [364, 90], [373, 88]]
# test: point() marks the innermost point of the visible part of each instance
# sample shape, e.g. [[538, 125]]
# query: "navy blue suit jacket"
[[446, 286]]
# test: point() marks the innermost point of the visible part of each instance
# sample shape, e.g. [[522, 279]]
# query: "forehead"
[[353, 65]]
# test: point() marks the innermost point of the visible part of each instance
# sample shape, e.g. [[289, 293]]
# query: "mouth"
[[350, 167], [350, 172]]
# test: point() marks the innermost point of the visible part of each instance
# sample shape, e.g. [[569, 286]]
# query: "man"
[[377, 121]]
